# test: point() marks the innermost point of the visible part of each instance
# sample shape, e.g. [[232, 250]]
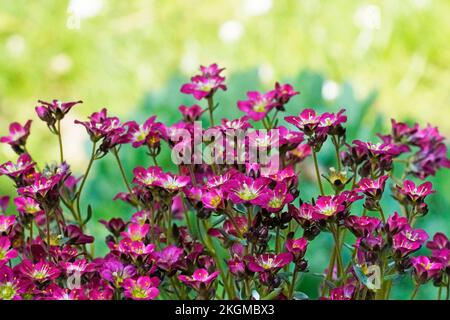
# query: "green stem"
[[61, 151], [416, 290], [122, 171], [316, 166], [211, 111], [88, 169], [336, 146], [382, 215], [294, 280]]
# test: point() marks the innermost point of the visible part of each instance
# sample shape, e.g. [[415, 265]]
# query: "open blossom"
[[23, 166], [258, 105], [40, 272], [142, 288], [18, 135], [213, 199], [136, 232], [439, 242], [40, 186], [236, 124], [6, 222], [79, 266], [199, 277], [6, 253], [378, 149], [425, 269], [147, 177], [408, 240], [116, 272], [362, 226], [309, 122], [191, 113], [275, 200], [55, 292], [135, 248], [172, 182], [169, 257], [342, 293], [328, 206], [372, 188], [396, 223], [283, 93], [50, 112], [243, 189], [297, 247], [269, 262], [205, 84], [149, 133], [11, 286], [416, 193]]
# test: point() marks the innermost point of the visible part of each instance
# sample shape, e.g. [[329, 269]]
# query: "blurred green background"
[[378, 59]]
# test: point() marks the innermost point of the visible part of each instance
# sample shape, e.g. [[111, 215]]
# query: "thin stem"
[[382, 215], [211, 110], [416, 290], [316, 166], [336, 147], [154, 160], [122, 171], [61, 150], [88, 169], [294, 280]]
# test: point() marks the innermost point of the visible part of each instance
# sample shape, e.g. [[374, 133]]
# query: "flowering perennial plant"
[[224, 230]]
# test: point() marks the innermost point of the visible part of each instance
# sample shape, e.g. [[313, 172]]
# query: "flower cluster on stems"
[[217, 230]]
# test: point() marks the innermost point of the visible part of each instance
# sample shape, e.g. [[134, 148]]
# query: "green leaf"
[[298, 295]]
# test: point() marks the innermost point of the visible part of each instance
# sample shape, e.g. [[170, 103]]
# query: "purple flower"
[[362, 226], [11, 286], [76, 235], [378, 149], [198, 278], [142, 288], [149, 133], [284, 93], [243, 189], [6, 253], [114, 225], [23, 166], [191, 113], [57, 108], [205, 84], [425, 269], [136, 232], [147, 177], [297, 247], [408, 240], [440, 241], [80, 266], [6, 222], [236, 266], [258, 105], [169, 257], [40, 186], [396, 223], [55, 292], [275, 200], [236, 124], [269, 262], [307, 121], [18, 136], [116, 272], [372, 188], [4, 203], [328, 206], [416, 194], [342, 293], [40, 272], [213, 199], [135, 248], [172, 182]]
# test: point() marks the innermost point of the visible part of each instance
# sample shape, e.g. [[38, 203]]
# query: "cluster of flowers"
[[223, 231]]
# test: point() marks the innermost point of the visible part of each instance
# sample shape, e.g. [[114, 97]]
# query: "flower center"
[[7, 291]]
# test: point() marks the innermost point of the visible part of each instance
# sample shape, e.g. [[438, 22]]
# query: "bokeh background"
[[377, 59]]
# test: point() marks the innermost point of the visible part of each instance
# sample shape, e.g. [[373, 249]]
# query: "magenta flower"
[[275, 200], [241, 224], [11, 286], [328, 206], [372, 188], [56, 108], [148, 133], [6, 222], [362, 226], [172, 182], [342, 293], [205, 84], [408, 240], [243, 189], [135, 248], [236, 266], [297, 247], [440, 241], [284, 93], [136, 232], [169, 257], [23, 166], [40, 186], [76, 235], [114, 225], [300, 153], [425, 269], [80, 266], [269, 262], [307, 121], [191, 113], [18, 135], [258, 105], [416, 194], [55, 292], [116, 272], [213, 199], [40, 272], [236, 124], [6, 253], [4, 203], [378, 149], [142, 288], [147, 177], [396, 223], [199, 277]]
